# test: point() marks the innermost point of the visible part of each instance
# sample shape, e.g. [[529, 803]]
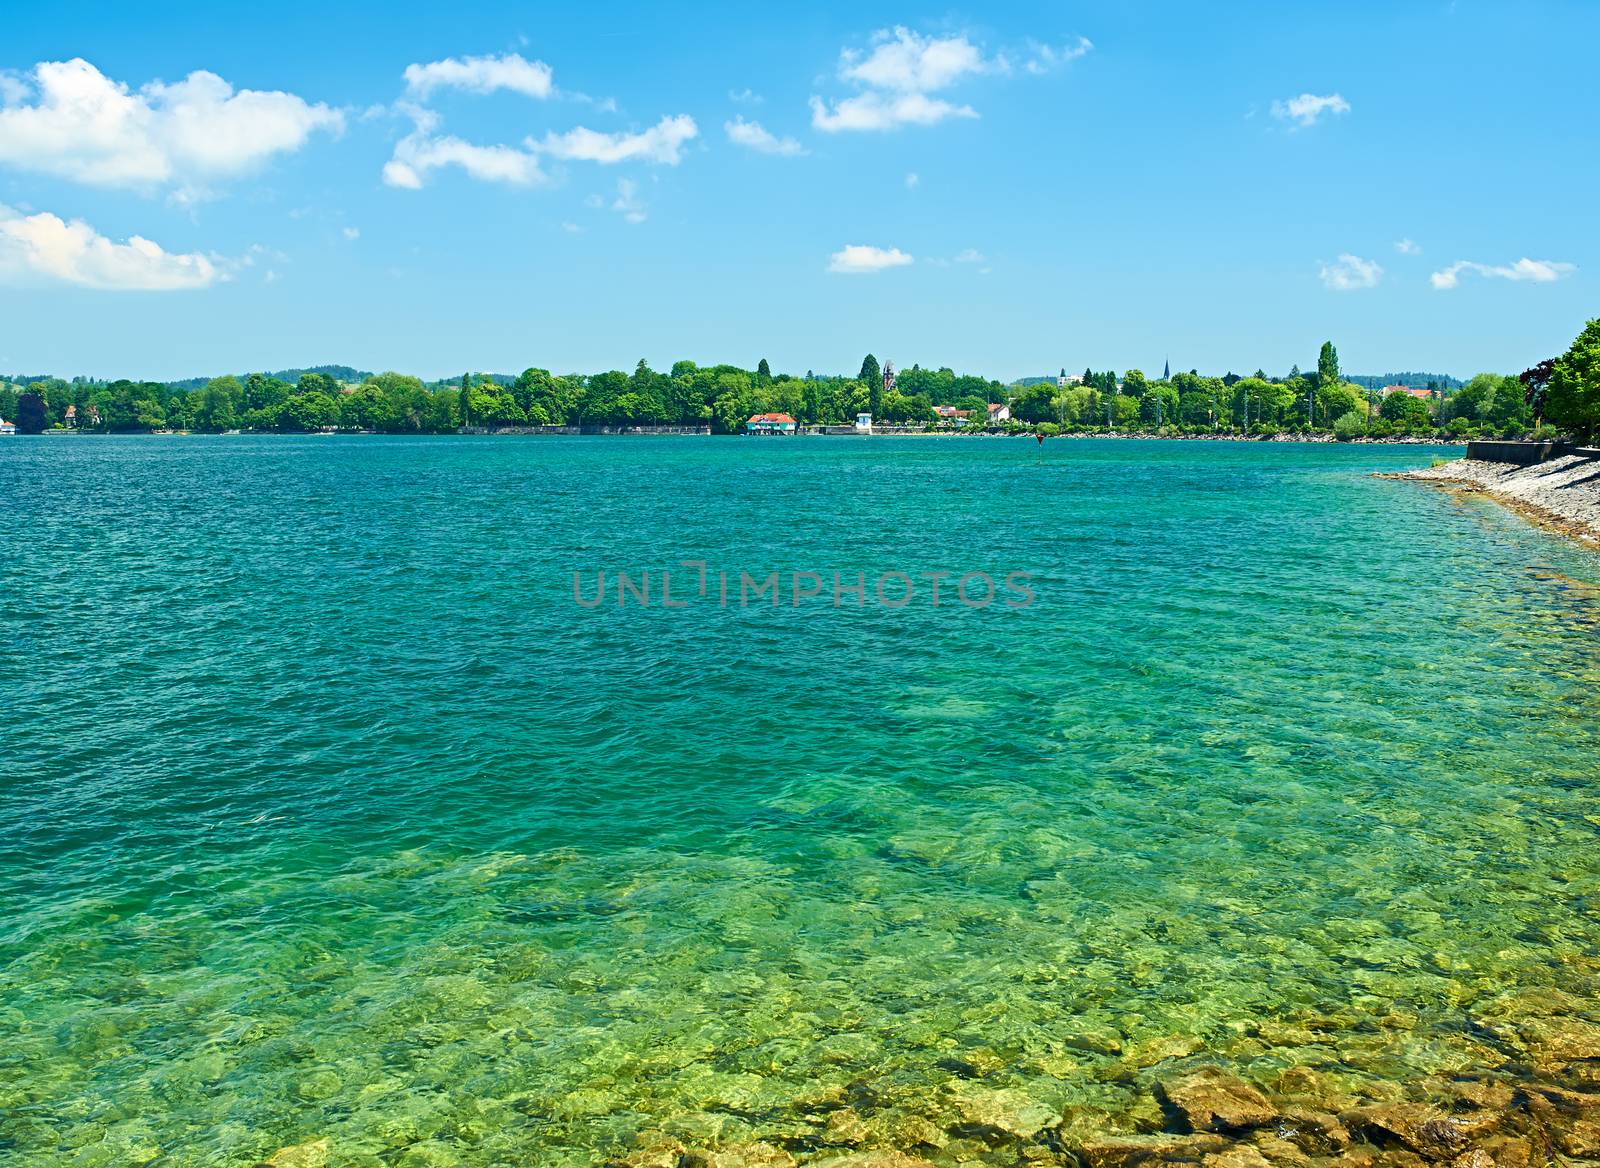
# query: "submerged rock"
[[1280, 1152], [1317, 1133], [845, 1127], [1210, 1099], [1129, 1151], [312, 1154], [1418, 1127], [1238, 1156], [872, 1160], [656, 1152], [756, 1155], [1007, 1110], [1159, 1050], [1488, 1095], [1555, 1042], [1573, 1118]]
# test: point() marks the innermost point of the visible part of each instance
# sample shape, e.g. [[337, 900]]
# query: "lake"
[[329, 812]]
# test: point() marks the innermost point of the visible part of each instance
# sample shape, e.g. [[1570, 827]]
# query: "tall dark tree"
[[763, 373], [30, 413], [872, 377], [1328, 365], [466, 399], [1535, 383]]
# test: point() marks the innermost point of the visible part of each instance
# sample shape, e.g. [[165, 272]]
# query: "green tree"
[[1406, 411], [872, 377], [464, 399], [30, 417], [1572, 400], [1328, 365], [763, 373]]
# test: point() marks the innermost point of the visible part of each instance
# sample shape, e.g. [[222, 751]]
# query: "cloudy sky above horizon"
[[1005, 191]]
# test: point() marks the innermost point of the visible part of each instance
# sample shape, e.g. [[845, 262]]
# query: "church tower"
[[888, 375], [1166, 370]]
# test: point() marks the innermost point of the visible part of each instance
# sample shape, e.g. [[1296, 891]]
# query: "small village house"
[[999, 412]]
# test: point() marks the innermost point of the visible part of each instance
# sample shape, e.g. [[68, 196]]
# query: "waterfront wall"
[[1515, 453]]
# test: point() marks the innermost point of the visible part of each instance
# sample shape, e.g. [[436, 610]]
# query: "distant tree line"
[[1563, 392]]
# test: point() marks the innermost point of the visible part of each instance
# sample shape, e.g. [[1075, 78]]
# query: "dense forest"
[[1564, 392]]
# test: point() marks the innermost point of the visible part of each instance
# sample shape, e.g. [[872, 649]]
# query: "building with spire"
[[1166, 370], [888, 375]]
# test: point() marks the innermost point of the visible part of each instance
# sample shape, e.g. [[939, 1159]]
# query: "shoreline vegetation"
[[1559, 397]]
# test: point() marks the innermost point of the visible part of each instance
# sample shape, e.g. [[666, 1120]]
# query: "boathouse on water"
[[770, 424]]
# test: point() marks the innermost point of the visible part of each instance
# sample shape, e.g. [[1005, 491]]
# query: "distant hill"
[[478, 378], [1419, 380], [1364, 380], [337, 372]]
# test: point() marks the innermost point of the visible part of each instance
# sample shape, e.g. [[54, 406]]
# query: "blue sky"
[[1002, 189]]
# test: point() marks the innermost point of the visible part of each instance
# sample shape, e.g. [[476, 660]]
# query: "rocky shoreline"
[[1215, 1119], [1563, 493]]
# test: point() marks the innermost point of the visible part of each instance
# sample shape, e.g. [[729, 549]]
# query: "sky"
[[1006, 189]]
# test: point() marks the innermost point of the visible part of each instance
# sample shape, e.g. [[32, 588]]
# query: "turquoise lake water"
[[326, 813]]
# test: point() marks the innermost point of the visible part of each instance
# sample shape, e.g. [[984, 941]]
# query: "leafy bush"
[[1349, 426]]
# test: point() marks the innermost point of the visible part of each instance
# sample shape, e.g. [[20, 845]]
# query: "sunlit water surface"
[[328, 814]]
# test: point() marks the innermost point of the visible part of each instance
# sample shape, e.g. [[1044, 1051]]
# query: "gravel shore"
[[1563, 493]]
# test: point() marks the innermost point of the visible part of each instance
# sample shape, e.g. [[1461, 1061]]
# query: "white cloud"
[[83, 126], [662, 143], [421, 151], [905, 62], [1306, 109], [898, 75], [757, 137], [352, 233], [1523, 270], [878, 111], [902, 71], [44, 246], [627, 203], [860, 259], [1045, 58], [481, 75], [1351, 273], [745, 96], [912, 179], [571, 228], [970, 256], [1408, 247]]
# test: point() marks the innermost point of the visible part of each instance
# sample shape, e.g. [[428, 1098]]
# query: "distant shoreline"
[[681, 432]]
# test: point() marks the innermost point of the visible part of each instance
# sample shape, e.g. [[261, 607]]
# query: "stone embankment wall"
[[1525, 453]]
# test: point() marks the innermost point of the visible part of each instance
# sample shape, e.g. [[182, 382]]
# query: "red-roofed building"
[[1409, 390], [770, 424], [952, 413]]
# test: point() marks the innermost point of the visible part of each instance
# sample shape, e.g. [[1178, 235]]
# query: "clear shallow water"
[[326, 813]]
